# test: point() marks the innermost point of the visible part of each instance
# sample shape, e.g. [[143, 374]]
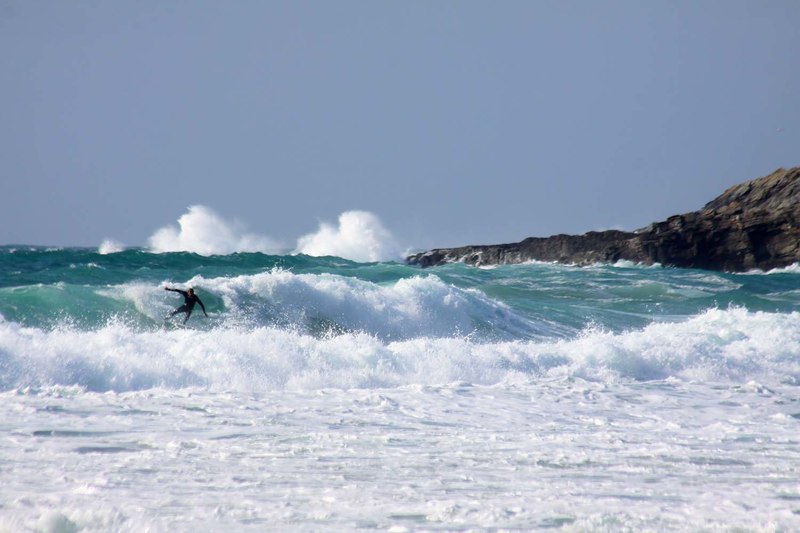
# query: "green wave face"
[[81, 288]]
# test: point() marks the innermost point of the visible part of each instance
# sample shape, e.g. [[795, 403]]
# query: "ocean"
[[323, 394]]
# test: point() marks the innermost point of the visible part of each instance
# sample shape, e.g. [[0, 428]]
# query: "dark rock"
[[754, 225]]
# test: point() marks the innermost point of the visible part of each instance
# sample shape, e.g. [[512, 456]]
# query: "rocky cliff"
[[754, 225]]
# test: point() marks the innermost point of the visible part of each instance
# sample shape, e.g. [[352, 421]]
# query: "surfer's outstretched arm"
[[175, 290]]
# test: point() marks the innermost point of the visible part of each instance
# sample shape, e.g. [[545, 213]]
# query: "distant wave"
[[360, 236], [204, 232], [110, 246]]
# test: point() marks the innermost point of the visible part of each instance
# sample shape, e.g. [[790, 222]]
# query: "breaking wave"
[[204, 232], [718, 345], [359, 236]]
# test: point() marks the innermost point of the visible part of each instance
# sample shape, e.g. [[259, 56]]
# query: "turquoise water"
[[69, 298], [47, 287], [325, 394]]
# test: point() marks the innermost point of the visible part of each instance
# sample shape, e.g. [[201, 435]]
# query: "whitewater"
[[325, 394]]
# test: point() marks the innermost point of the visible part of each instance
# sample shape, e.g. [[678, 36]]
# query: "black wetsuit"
[[188, 304]]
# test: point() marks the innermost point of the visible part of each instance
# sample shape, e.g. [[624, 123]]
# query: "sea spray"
[[360, 236], [202, 231]]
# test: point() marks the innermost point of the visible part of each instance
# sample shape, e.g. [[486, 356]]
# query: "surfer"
[[189, 299]]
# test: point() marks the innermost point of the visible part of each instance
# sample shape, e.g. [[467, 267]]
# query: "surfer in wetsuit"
[[189, 299]]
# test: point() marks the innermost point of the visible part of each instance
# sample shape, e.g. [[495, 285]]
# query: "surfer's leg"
[[181, 309], [188, 314]]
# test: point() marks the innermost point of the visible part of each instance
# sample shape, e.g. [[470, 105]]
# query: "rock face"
[[754, 225]]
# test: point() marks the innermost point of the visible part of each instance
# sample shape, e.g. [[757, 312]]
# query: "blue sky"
[[455, 122]]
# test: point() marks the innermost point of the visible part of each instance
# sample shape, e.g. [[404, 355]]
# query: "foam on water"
[[730, 346], [331, 395], [791, 269], [570, 454]]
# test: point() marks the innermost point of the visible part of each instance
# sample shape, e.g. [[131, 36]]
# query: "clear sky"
[[454, 122]]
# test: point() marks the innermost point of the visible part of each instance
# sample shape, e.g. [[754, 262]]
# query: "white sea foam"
[[559, 453], [791, 269], [250, 428], [360, 236], [731, 345], [625, 263], [202, 231]]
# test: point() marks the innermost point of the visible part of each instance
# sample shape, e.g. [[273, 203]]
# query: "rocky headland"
[[753, 225]]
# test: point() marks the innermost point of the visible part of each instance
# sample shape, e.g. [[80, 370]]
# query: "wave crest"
[[360, 236], [202, 231]]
